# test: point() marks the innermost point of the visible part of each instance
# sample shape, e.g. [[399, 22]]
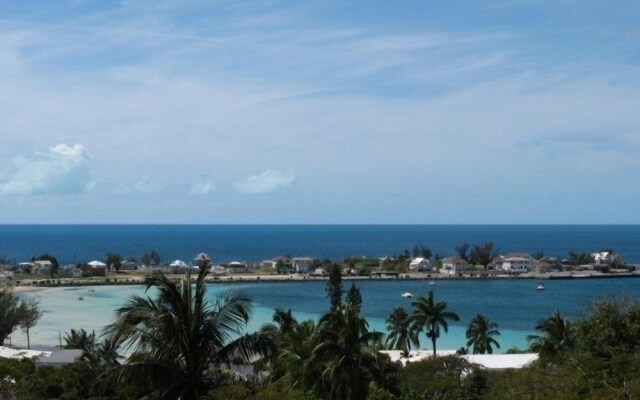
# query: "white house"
[[420, 264], [454, 265], [517, 262], [603, 257], [269, 264], [237, 267], [318, 272], [302, 264], [42, 267]]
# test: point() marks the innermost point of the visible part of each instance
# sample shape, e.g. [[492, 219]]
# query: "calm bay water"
[[77, 243], [514, 304]]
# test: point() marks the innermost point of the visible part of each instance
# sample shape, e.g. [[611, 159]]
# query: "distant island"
[[478, 261]]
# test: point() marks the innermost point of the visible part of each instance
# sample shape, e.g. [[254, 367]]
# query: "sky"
[[369, 112]]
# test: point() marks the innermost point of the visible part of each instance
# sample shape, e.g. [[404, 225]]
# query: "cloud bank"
[[267, 182], [63, 169]]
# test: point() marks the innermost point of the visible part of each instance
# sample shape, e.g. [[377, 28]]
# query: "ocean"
[[81, 243], [515, 305]]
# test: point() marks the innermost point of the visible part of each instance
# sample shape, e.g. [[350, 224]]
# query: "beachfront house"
[[496, 263], [420, 264], [602, 257], [546, 264], [237, 267], [42, 267], [454, 265], [217, 270], [517, 262], [269, 264], [128, 266], [302, 265], [320, 272]]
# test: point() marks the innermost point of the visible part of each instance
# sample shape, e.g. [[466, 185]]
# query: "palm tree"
[[430, 316], [181, 341], [292, 360], [347, 355], [79, 339], [480, 334], [557, 334], [401, 336], [284, 320]]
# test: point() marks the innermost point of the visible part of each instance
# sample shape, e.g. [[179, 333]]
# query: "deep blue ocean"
[[78, 243]]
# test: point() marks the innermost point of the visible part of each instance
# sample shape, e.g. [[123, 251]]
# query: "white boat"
[[432, 283], [407, 295], [540, 286]]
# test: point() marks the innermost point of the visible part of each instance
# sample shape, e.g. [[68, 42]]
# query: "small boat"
[[80, 298], [540, 286], [407, 295], [432, 283]]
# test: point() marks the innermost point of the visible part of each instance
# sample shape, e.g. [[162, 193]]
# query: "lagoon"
[[514, 304]]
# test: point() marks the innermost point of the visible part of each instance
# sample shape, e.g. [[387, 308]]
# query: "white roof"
[[417, 261], [235, 263], [502, 361], [97, 263], [178, 263], [19, 354], [489, 361], [202, 257]]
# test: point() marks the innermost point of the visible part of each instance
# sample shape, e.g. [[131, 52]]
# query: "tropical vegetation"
[[481, 335], [430, 316], [183, 344]]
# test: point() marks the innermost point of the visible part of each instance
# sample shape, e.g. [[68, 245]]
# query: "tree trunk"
[[433, 340], [28, 340]]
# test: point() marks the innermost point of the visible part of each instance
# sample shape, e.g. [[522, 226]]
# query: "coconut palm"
[[430, 316], [292, 360], [347, 355], [79, 339], [181, 341], [480, 335], [557, 334], [284, 320], [401, 336]]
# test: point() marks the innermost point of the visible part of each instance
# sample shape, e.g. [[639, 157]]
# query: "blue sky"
[[200, 111]]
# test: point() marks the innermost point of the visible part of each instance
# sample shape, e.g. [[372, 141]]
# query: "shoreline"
[[40, 284]]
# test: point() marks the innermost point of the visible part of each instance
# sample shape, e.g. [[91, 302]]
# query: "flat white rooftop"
[[488, 361]]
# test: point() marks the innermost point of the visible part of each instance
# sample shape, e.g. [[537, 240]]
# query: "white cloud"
[[147, 185], [63, 169], [269, 181], [203, 187]]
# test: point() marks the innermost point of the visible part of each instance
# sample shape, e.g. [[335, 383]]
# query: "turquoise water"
[[514, 304]]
